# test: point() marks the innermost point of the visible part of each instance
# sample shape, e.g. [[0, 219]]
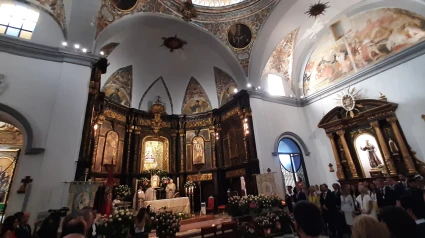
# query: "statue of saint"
[[170, 189], [150, 194], [373, 158], [393, 147]]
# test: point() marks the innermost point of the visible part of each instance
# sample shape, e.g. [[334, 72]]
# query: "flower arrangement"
[[122, 191], [190, 184], [165, 180], [116, 225], [168, 223], [150, 172], [252, 204]]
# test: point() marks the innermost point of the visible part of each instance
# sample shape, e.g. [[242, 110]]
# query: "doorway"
[[292, 163]]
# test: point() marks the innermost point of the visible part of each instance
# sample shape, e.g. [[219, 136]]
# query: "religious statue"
[[154, 181], [150, 194], [393, 147], [198, 151], [170, 189], [373, 158], [150, 156]]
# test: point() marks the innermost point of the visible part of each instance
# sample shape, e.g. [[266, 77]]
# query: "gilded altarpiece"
[[369, 142], [155, 153]]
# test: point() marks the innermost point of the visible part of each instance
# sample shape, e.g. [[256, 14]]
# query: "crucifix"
[[25, 182]]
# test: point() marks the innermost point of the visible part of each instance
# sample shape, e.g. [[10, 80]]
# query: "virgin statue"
[[373, 158]]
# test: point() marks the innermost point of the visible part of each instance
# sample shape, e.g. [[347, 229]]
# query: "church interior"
[[182, 105]]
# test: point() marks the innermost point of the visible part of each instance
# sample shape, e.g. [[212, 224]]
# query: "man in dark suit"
[[23, 230], [299, 194], [390, 193], [415, 207], [289, 198], [329, 209]]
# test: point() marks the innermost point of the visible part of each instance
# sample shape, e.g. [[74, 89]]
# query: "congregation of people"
[[379, 209]]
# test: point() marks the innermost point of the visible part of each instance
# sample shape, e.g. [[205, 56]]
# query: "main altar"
[[214, 149]]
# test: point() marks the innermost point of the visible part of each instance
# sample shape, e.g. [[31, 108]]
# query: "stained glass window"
[[18, 21]]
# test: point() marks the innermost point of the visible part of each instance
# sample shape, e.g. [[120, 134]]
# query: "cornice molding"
[[259, 94], [391, 62], [30, 49]]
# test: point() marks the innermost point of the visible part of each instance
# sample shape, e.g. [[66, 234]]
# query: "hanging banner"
[[266, 183], [81, 194]]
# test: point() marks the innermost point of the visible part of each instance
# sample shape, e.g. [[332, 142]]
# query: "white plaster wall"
[[47, 31], [52, 96], [403, 84]]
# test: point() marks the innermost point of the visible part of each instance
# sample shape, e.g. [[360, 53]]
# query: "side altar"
[[173, 146]]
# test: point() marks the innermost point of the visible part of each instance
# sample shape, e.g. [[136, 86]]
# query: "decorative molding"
[[27, 129], [29, 49], [199, 177], [293, 136], [235, 173], [234, 111], [114, 115], [265, 96]]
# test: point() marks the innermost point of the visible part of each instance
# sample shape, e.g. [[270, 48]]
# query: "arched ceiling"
[[137, 40]]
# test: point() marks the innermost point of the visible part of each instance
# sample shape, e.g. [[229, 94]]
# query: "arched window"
[[18, 21], [275, 85], [292, 163]]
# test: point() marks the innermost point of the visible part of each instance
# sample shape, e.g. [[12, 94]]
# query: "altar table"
[[175, 205]]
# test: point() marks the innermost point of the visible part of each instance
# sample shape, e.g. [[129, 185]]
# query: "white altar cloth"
[[175, 205]]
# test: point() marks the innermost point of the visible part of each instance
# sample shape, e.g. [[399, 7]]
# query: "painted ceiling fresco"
[[196, 99], [107, 49], [225, 85], [119, 85], [280, 62], [250, 13], [367, 38]]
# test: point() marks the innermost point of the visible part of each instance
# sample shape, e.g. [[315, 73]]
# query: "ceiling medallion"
[[347, 100], [173, 43], [188, 10], [317, 9]]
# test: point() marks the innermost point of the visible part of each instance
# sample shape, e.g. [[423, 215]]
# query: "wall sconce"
[[96, 126], [331, 167]]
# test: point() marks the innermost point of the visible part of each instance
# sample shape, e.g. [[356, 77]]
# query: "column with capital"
[[408, 160], [353, 170], [339, 171], [387, 155]]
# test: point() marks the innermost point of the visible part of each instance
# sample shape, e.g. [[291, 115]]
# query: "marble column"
[[339, 171], [387, 155], [408, 160], [351, 165]]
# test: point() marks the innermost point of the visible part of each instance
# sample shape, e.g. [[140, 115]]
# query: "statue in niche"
[[198, 150], [152, 151], [393, 147], [170, 189], [373, 158]]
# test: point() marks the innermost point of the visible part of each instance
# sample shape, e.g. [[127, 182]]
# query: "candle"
[[178, 182]]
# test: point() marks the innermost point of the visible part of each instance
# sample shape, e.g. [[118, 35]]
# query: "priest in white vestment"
[[150, 194], [170, 189]]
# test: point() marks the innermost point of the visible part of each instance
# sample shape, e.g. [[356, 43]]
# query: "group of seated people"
[[16, 226], [400, 205]]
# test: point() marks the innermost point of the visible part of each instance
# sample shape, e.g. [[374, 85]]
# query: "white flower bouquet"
[[116, 225], [168, 223], [122, 191]]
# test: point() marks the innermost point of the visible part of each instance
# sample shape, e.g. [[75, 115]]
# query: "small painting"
[[118, 87], [368, 153], [239, 35], [198, 147], [124, 5]]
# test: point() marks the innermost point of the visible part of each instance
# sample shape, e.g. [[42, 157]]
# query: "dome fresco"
[[216, 3]]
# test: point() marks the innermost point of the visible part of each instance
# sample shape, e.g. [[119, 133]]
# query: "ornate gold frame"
[[121, 10], [250, 41], [165, 160]]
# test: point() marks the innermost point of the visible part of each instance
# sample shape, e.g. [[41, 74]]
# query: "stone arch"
[[15, 118], [294, 137]]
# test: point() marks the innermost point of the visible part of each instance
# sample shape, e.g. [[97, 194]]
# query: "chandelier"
[[216, 3]]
